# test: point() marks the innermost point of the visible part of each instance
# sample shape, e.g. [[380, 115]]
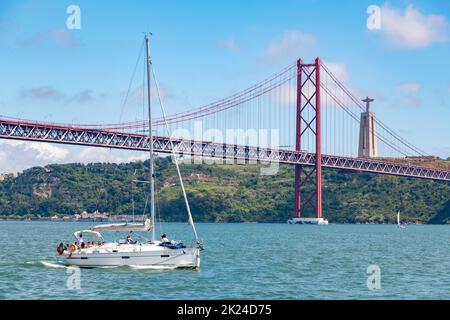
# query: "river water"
[[241, 261]]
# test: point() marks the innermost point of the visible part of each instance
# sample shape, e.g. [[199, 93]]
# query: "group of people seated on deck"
[[129, 240], [82, 244], [164, 239]]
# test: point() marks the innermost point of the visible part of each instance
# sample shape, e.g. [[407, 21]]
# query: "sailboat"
[[151, 253], [399, 224]]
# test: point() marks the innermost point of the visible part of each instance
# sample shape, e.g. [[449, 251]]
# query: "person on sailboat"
[[164, 238], [80, 241], [129, 240]]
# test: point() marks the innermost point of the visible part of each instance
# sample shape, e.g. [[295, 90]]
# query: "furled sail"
[[146, 226]]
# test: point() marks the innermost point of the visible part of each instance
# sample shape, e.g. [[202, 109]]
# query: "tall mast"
[[150, 137]]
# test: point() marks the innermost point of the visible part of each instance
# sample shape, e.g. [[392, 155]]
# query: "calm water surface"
[[241, 261]]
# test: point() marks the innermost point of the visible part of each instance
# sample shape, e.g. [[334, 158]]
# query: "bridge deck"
[[30, 131]]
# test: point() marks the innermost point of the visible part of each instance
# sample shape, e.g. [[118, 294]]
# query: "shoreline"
[[231, 222]]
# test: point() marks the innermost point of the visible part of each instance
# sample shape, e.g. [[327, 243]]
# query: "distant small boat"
[[399, 224]]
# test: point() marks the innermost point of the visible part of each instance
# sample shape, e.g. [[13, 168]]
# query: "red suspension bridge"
[[316, 118]]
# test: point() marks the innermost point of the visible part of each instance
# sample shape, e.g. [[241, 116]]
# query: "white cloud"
[[286, 95], [42, 93], [339, 70], [136, 95], [48, 93], [409, 92], [11, 142], [20, 155], [141, 157], [62, 37], [288, 92], [83, 97], [290, 45], [89, 154], [411, 28], [229, 44], [46, 151], [39, 150], [16, 156], [92, 155], [409, 87]]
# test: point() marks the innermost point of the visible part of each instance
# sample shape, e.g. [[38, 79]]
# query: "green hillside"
[[222, 193]]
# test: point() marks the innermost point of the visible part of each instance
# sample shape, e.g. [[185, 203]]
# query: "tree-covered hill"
[[231, 193]]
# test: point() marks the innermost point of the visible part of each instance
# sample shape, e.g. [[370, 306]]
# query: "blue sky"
[[205, 50]]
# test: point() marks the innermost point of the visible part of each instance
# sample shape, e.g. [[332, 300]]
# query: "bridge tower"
[[367, 135], [308, 122]]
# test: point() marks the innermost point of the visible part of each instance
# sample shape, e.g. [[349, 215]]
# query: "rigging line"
[[145, 206], [143, 86], [131, 81], [379, 122], [191, 221], [132, 199], [157, 210]]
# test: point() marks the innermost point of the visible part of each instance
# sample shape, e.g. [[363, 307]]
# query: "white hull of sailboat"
[[154, 256]]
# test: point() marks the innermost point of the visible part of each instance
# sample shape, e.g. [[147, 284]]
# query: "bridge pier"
[[312, 125]]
